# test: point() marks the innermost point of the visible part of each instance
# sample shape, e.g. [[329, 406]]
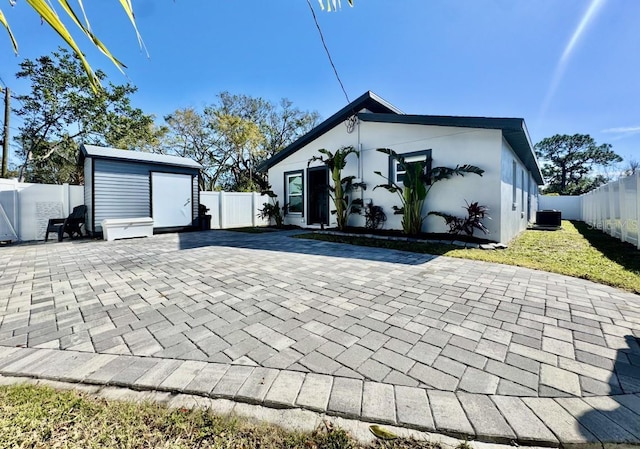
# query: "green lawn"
[[40, 417], [575, 250]]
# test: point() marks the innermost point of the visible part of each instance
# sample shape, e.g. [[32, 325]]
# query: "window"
[[294, 192], [397, 171]]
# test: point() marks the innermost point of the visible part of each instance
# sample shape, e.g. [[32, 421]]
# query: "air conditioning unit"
[[549, 218]]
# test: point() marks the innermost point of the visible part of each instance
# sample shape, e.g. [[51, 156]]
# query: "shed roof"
[[97, 152]]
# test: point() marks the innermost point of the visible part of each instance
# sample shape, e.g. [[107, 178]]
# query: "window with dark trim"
[[397, 170], [294, 192]]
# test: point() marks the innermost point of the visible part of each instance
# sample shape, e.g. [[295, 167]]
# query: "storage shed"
[[133, 184]]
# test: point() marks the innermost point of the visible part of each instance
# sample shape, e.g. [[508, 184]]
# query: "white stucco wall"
[[331, 140], [450, 146], [514, 214]]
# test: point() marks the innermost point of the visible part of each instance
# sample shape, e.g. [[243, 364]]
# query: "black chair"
[[70, 225]]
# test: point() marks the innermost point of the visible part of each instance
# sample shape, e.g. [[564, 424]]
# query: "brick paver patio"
[[466, 348]]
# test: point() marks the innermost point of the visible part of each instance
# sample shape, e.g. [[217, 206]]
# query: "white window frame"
[[288, 195], [416, 156]]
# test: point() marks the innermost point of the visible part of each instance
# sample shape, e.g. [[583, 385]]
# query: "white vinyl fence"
[[234, 209], [28, 207], [570, 206], [614, 207], [25, 208]]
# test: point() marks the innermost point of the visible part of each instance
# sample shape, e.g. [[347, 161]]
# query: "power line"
[[17, 98], [326, 49]]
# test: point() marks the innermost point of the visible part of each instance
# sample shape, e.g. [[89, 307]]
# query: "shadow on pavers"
[[281, 241], [614, 418]]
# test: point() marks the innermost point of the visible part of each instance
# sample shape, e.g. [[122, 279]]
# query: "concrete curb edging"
[[549, 422], [290, 419]]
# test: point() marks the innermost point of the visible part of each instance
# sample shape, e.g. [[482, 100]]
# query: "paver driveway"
[[269, 300]]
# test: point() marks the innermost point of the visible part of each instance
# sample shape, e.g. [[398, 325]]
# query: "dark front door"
[[318, 194]]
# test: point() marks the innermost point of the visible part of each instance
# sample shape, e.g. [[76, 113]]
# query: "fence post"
[[602, 201], [66, 196], [16, 210], [612, 212], [623, 218], [637, 192], [253, 209], [221, 207]]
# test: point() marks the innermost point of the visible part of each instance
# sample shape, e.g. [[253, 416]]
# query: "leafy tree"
[[249, 130], [240, 141], [416, 185], [62, 111], [232, 137], [188, 135], [633, 167], [570, 162], [340, 191]]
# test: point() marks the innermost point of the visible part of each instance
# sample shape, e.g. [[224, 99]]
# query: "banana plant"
[[340, 191], [417, 183]]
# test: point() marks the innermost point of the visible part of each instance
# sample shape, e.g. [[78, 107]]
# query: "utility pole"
[[5, 135]]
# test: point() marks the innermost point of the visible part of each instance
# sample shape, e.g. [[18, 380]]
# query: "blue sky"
[[566, 66]]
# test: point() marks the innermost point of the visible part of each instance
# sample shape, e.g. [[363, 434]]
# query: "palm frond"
[[87, 31], [3, 21], [49, 15], [440, 173], [128, 8], [336, 4]]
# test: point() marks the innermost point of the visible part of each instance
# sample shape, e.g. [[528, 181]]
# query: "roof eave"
[[365, 100], [513, 130]]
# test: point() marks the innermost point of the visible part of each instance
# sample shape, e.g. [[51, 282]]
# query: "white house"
[[499, 146]]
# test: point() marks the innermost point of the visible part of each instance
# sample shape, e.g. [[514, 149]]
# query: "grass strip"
[[41, 417]]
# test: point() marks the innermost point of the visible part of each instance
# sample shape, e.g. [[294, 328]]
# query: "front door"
[[318, 194]]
